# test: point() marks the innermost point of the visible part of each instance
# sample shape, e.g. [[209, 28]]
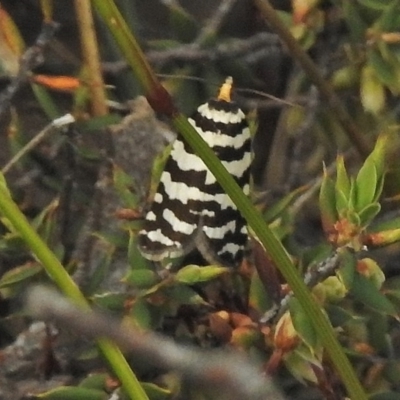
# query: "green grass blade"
[[61, 278]]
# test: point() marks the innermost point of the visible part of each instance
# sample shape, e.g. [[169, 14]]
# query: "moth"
[[190, 209]]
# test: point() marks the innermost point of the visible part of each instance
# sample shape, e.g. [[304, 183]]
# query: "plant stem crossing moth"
[[190, 209]]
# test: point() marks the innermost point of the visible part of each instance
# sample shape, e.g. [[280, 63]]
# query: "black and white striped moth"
[[190, 209]]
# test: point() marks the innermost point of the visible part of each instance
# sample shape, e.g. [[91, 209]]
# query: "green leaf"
[[364, 291], [385, 237], [4, 186], [345, 78], [46, 101], [73, 393], [348, 264], [367, 214], [384, 70], [391, 224], [11, 237], [135, 258], [110, 301], [379, 188], [258, 296], [141, 278], [11, 45], [357, 26], [124, 184], [327, 202], [185, 295], [101, 270], [281, 205], [372, 92], [19, 274], [93, 125], [389, 395], [370, 178], [342, 179], [157, 169], [370, 269], [379, 154], [300, 368], [141, 314], [338, 316], [354, 219], [389, 19], [182, 24], [156, 392], [163, 44], [353, 194], [392, 369], [193, 273], [94, 381], [88, 153], [375, 4], [302, 324], [343, 203], [366, 182]]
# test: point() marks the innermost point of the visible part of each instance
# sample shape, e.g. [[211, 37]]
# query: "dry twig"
[[225, 374], [31, 58]]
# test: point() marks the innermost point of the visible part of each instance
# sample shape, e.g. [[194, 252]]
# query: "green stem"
[[59, 275], [127, 43]]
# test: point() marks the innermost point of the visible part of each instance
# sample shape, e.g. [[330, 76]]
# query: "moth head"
[[226, 90]]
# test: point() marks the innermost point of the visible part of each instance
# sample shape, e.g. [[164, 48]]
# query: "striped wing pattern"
[[190, 209]]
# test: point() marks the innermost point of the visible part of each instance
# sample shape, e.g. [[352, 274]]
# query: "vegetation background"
[[334, 69]]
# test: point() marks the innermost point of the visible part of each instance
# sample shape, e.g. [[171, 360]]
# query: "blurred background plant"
[[83, 187]]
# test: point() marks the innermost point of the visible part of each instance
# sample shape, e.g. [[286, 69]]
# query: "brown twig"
[[321, 271], [225, 374], [31, 58], [56, 124], [187, 53], [90, 53], [213, 24]]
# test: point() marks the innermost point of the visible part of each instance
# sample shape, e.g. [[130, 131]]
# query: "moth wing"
[[173, 221], [224, 233]]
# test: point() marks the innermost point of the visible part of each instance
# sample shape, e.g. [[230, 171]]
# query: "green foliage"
[[199, 304], [94, 387], [348, 205], [73, 393], [192, 274], [373, 24], [19, 274]]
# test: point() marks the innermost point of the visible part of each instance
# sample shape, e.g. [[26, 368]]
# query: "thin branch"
[[188, 53], [56, 124], [214, 23], [317, 274], [31, 58], [225, 374]]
